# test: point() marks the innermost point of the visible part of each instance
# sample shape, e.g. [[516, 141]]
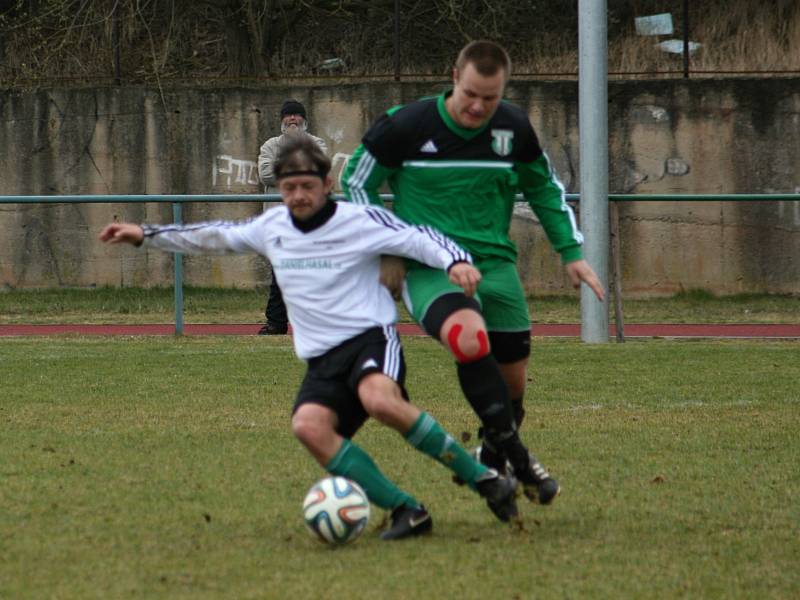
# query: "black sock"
[[486, 391], [509, 445], [519, 410], [492, 457]]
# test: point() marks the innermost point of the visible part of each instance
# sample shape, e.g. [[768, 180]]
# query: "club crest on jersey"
[[501, 141]]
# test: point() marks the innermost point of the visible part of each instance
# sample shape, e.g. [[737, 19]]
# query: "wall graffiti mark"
[[234, 170], [336, 135]]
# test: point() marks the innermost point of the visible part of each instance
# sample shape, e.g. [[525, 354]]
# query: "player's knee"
[[303, 429], [311, 432], [382, 410], [467, 343], [379, 396]]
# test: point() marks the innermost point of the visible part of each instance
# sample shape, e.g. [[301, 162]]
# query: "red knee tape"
[[452, 340]]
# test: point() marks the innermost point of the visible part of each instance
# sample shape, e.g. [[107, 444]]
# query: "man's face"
[[475, 97], [304, 195], [292, 123]]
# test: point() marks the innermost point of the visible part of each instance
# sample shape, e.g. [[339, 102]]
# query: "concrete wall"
[[726, 136]]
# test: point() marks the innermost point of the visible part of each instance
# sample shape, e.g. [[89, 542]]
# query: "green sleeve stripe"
[[576, 234], [547, 198], [362, 178]]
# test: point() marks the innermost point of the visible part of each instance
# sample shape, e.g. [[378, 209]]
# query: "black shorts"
[[332, 379]]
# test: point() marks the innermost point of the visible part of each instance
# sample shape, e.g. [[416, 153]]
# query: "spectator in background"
[[293, 121]]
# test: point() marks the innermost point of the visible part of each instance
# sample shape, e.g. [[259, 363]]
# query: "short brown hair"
[[487, 57], [301, 154]]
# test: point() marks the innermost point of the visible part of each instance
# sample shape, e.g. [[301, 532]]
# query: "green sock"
[[426, 435], [352, 462]]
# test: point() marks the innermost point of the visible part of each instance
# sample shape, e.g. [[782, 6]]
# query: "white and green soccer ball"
[[336, 510]]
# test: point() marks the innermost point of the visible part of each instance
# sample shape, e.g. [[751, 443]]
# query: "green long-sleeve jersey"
[[462, 181]]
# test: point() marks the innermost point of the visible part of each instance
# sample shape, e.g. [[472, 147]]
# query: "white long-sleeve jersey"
[[329, 275]]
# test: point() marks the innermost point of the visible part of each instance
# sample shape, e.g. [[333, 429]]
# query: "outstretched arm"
[[393, 271], [382, 231], [122, 233], [219, 237]]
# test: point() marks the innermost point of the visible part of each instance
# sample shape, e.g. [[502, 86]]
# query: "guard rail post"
[[177, 257]]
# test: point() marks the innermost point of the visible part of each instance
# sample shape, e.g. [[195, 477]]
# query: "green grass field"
[[214, 305], [165, 468]]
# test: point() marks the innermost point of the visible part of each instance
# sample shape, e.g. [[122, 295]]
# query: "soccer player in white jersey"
[[326, 257]]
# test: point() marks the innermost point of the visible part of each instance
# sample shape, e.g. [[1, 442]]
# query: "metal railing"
[[178, 200]]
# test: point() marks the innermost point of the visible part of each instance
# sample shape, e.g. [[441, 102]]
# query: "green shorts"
[[500, 293]]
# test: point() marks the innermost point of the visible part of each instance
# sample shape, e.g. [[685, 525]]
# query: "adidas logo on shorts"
[[429, 147]]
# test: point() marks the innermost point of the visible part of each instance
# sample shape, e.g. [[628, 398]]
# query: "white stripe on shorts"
[[391, 360]]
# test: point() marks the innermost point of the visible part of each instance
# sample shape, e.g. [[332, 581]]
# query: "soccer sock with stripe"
[[429, 437], [352, 462]]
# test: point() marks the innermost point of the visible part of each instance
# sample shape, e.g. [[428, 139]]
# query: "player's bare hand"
[[466, 276], [580, 271], [122, 233], [393, 272]]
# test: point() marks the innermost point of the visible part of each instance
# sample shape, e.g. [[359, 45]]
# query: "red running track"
[[733, 330]]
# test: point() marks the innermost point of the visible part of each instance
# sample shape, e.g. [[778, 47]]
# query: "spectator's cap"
[[293, 107]]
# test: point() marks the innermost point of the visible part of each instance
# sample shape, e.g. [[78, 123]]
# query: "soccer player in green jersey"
[[456, 162]]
